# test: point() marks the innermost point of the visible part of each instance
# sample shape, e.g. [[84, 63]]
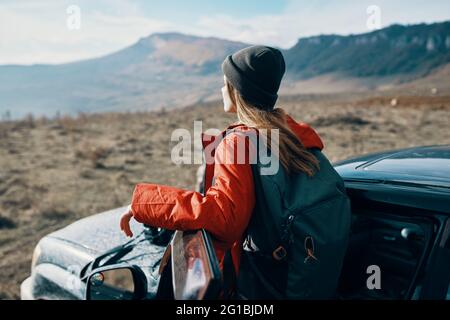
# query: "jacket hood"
[[307, 135]]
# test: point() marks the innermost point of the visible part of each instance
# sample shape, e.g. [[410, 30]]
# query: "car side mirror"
[[195, 269], [116, 283]]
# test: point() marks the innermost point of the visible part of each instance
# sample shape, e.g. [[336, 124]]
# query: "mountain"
[[396, 50], [173, 70], [162, 70], [381, 59]]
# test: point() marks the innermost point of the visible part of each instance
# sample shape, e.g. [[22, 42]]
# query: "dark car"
[[399, 246]]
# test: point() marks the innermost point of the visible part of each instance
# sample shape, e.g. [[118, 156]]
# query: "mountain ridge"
[[165, 70]]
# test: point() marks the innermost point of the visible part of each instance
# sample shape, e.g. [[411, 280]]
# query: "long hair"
[[293, 155]]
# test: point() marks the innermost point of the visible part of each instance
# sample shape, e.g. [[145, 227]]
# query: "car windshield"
[[425, 162]]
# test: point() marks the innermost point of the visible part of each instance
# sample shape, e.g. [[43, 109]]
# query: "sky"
[[59, 31]]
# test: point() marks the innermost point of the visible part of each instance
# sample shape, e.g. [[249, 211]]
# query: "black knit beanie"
[[256, 72]]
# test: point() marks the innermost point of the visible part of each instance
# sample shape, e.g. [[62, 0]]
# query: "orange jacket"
[[226, 207]]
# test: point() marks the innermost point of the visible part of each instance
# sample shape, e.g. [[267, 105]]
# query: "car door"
[[388, 251]]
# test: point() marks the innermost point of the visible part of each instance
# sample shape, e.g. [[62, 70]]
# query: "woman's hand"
[[125, 223]]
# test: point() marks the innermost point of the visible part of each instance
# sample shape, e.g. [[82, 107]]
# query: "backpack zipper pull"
[[309, 248], [281, 252]]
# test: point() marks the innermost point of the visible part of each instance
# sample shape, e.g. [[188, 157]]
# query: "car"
[[399, 246]]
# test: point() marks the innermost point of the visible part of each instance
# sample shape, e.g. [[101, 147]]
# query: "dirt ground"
[[53, 172]]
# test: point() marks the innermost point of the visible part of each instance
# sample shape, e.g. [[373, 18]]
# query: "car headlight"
[[36, 255]]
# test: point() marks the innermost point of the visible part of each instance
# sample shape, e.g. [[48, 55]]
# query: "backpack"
[[297, 237]]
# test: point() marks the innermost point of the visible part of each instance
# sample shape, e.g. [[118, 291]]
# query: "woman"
[[252, 78]]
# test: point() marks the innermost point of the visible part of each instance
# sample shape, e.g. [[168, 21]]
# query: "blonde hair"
[[293, 155]]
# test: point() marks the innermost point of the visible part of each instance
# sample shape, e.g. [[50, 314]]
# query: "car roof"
[[420, 166]]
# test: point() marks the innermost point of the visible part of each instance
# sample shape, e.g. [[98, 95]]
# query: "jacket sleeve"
[[224, 210]]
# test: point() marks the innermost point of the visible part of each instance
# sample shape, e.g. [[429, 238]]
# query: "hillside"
[[162, 70], [408, 51]]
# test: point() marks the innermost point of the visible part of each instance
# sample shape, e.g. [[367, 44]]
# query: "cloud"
[[31, 33], [310, 18], [36, 32], [284, 29]]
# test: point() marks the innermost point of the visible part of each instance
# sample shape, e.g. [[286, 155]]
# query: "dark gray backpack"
[[297, 236]]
